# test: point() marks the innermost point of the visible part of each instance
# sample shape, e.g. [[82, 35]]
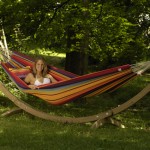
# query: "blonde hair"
[[45, 69]]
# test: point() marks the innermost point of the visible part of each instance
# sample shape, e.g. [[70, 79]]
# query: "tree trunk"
[[76, 62]]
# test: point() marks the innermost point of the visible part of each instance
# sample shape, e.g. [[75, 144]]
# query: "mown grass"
[[21, 132], [25, 132]]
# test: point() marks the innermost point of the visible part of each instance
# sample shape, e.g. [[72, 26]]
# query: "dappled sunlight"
[[91, 36], [1, 131], [3, 109], [52, 58], [61, 132], [2, 94], [47, 53], [146, 77], [136, 120]]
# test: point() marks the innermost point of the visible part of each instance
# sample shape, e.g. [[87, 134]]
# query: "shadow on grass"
[[21, 133], [5, 102]]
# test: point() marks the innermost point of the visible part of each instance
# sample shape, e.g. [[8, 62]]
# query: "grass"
[[20, 132], [52, 58], [25, 132]]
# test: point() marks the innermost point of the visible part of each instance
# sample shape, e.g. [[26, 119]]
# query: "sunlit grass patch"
[[52, 58], [46, 53]]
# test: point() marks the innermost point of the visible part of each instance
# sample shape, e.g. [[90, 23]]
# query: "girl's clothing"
[[45, 81]]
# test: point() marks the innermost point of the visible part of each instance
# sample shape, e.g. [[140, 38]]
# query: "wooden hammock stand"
[[98, 119]]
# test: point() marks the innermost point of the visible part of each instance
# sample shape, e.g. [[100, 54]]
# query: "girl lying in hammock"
[[39, 76]]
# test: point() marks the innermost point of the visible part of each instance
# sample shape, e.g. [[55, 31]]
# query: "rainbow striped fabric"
[[68, 86]]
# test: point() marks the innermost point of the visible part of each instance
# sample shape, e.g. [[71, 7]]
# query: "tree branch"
[[57, 8]]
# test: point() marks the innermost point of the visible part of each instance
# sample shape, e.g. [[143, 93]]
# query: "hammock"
[[69, 86], [107, 80]]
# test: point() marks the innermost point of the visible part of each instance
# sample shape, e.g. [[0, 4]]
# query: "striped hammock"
[[68, 86]]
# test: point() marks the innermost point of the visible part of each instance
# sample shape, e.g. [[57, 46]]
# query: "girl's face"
[[39, 66]]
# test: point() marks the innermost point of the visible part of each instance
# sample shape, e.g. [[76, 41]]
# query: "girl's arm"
[[51, 78], [29, 80]]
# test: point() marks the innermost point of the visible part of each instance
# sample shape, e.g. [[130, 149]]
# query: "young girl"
[[39, 75]]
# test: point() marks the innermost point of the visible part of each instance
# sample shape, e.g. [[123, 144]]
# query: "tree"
[[113, 32]]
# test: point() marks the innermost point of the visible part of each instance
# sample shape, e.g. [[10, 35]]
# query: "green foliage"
[[114, 32]]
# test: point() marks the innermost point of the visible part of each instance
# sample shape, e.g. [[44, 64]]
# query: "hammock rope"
[[3, 45], [141, 67]]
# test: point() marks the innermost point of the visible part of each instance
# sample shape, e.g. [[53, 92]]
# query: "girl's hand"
[[33, 87]]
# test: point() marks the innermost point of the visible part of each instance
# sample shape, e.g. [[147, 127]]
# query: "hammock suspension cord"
[[3, 44]]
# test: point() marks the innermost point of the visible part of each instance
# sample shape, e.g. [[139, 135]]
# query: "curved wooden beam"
[[11, 112], [26, 107]]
